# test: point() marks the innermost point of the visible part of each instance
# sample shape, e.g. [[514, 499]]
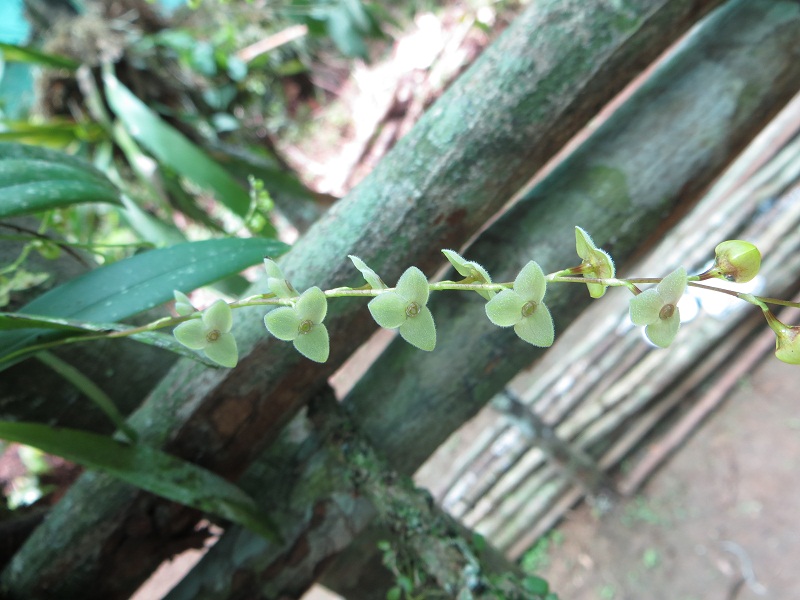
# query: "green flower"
[[370, 276], [736, 260], [522, 307], [787, 345], [277, 282], [597, 264], [211, 334], [302, 324], [657, 308], [405, 309], [183, 306], [471, 271], [787, 342]]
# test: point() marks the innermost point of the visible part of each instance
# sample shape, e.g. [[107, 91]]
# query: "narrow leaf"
[[147, 468], [41, 179], [81, 330], [136, 284], [15, 53], [172, 148], [89, 389]]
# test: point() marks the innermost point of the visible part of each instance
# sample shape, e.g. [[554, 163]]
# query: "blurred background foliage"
[[199, 95]]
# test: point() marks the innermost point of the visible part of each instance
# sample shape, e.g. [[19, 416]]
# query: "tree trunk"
[[643, 167], [518, 104]]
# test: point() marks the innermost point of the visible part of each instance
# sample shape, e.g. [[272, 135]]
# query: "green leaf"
[[343, 30], [83, 329], [147, 468], [34, 179], [22, 321], [130, 286], [15, 53], [172, 148], [53, 133], [535, 585]]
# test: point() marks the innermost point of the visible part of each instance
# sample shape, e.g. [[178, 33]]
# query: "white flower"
[[657, 308]]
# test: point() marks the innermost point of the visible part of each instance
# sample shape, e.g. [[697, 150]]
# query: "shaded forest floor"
[[718, 522]]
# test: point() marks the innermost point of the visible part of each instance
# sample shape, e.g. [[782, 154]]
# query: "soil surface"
[[717, 522]]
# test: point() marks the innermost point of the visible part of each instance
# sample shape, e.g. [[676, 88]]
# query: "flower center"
[[666, 311], [412, 310], [213, 335], [305, 327], [529, 308]]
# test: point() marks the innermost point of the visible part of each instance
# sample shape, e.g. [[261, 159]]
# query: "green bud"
[[787, 347], [787, 343], [183, 306], [737, 261], [370, 276]]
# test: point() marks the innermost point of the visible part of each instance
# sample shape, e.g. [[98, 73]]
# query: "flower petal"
[[312, 305], [388, 309], [370, 276], [645, 307], [505, 309], [583, 243], [663, 331], [272, 269], [459, 263], [192, 334], [538, 328], [673, 286], [530, 283], [283, 323], [787, 344], [413, 286], [183, 306], [223, 351], [596, 290], [218, 316], [472, 270], [420, 331], [315, 344]]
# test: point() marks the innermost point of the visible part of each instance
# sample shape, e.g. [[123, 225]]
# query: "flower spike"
[[522, 308], [211, 334], [657, 308], [405, 309]]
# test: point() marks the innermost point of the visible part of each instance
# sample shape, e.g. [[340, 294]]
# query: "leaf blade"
[[138, 283], [41, 179], [172, 148], [147, 468]]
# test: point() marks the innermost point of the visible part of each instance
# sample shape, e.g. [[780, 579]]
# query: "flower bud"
[[787, 347], [787, 343], [736, 260]]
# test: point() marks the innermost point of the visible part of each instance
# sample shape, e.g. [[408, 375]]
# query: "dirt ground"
[[718, 522]]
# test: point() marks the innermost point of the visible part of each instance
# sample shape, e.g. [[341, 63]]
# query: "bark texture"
[[518, 104]]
